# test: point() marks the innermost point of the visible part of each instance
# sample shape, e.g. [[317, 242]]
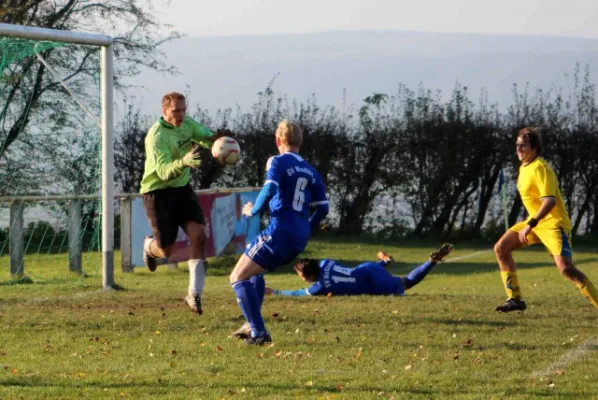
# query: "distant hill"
[[221, 72]]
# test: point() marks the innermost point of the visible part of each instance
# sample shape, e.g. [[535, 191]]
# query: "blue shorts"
[[381, 282], [275, 247]]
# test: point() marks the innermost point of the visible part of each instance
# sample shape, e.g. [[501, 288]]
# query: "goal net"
[[52, 191]]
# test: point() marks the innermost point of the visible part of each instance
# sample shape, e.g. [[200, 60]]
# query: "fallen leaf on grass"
[[339, 386], [218, 348], [309, 383]]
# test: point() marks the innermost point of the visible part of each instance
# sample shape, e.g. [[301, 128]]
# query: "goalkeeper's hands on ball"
[[191, 159]]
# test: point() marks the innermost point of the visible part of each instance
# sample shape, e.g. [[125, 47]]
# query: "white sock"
[[197, 276]]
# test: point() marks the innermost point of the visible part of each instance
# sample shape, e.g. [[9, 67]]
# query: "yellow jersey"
[[536, 181]]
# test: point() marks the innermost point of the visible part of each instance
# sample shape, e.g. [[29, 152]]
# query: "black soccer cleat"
[[194, 303], [149, 260], [511, 305], [243, 332], [442, 252], [259, 340]]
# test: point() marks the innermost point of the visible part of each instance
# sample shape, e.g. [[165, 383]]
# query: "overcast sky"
[[243, 17]]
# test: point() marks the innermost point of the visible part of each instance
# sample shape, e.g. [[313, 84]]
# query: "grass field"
[[62, 338]]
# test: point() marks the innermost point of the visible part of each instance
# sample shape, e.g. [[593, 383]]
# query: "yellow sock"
[[511, 283], [590, 292]]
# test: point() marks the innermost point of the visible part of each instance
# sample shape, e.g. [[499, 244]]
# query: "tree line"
[[409, 163]]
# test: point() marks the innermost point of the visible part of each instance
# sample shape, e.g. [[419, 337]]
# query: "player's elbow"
[[549, 202]]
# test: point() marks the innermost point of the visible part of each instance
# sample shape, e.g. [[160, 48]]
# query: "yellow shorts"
[[556, 240]]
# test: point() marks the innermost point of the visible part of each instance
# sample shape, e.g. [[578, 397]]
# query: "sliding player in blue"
[[291, 186], [328, 276]]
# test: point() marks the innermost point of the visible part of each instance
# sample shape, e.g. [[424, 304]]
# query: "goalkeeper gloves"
[[191, 159]]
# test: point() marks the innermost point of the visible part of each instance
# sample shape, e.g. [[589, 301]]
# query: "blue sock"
[[260, 287], [416, 275], [250, 306]]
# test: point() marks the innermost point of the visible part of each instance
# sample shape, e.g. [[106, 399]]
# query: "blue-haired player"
[[291, 187], [330, 277]]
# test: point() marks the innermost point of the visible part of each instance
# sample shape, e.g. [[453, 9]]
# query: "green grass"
[[60, 337]]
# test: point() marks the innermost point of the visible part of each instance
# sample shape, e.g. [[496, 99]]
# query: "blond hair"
[[170, 96], [289, 133]]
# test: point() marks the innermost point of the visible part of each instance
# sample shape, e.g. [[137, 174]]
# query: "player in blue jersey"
[[330, 277], [292, 186]]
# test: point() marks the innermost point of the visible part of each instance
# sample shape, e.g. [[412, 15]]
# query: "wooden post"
[[75, 242], [16, 242], [126, 235]]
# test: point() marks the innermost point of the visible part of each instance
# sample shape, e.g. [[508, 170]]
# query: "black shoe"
[[259, 340], [442, 252], [243, 332], [511, 305], [194, 303], [149, 260]]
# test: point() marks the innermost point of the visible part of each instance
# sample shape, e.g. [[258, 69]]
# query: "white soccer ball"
[[226, 150]]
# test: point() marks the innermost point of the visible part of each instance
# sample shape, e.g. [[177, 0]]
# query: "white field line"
[[465, 256], [568, 358]]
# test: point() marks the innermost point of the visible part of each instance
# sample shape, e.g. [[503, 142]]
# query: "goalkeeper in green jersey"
[[168, 198]]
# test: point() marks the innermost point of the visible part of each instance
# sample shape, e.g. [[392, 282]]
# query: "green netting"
[[14, 49], [49, 146]]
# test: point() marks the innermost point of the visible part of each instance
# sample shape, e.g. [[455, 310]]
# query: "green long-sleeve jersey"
[[165, 146]]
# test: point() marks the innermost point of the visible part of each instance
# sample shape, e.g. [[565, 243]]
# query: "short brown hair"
[[289, 133], [309, 267], [170, 96], [532, 136]]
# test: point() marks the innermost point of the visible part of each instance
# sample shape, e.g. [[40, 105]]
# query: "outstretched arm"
[[265, 195], [295, 293], [313, 290]]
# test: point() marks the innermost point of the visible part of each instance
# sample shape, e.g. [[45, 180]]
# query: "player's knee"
[[499, 249], [239, 274], [233, 277], [198, 236]]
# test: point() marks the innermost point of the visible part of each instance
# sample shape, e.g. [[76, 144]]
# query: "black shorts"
[[169, 208]]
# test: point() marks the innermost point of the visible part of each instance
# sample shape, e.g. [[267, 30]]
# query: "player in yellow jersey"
[[548, 223]]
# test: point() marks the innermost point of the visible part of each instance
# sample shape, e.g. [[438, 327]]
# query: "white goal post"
[[107, 125]]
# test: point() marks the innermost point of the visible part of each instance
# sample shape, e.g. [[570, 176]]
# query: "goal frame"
[[107, 124]]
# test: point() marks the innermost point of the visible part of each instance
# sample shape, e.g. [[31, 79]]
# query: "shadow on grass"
[[164, 386], [472, 322]]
